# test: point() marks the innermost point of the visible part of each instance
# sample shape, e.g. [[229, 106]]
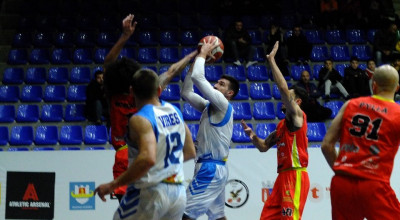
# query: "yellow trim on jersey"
[[382, 98], [296, 199], [123, 147], [295, 154]]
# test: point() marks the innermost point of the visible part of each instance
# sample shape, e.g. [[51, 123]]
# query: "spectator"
[[299, 49], [329, 78], [314, 110], [275, 34], [238, 44], [355, 79], [385, 43], [96, 104], [370, 70]]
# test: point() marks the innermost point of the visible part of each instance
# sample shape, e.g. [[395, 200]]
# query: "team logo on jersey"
[[266, 190], [236, 193], [81, 196]]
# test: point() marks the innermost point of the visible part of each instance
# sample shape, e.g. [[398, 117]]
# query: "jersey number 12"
[[174, 144]]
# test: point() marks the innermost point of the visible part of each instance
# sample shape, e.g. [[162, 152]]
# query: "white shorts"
[[163, 201], [206, 192]]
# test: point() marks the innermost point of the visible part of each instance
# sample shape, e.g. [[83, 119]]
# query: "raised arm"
[[332, 136], [175, 69], [293, 111], [128, 28], [189, 152], [260, 144], [189, 95]]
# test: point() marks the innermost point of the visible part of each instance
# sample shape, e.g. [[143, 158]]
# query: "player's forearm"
[[190, 96], [329, 152], [277, 75], [135, 171], [260, 144], [116, 49]]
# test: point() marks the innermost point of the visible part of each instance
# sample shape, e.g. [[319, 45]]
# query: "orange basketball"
[[217, 52]]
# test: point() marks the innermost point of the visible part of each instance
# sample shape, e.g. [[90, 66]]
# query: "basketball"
[[217, 52]]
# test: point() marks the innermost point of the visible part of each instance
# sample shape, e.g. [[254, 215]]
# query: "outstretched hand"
[[273, 51], [208, 46], [127, 26], [249, 132], [103, 190]]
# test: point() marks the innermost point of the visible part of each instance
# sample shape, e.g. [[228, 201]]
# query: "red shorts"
[[288, 196], [354, 198], [120, 166]]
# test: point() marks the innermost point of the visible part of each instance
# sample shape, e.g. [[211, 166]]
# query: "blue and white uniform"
[[206, 192], [160, 193]]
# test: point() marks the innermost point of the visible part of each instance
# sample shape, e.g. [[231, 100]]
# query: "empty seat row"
[[341, 53], [47, 113], [350, 36], [51, 93], [49, 135]]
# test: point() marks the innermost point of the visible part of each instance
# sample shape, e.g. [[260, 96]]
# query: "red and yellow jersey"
[[121, 108], [292, 146], [370, 138]]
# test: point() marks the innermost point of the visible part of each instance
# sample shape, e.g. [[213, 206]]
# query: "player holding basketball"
[[122, 103], [368, 129], [291, 187], [159, 141], [206, 192]]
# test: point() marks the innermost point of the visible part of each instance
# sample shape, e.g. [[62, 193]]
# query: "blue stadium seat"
[[147, 55], [225, 21], [75, 112], [171, 93], [241, 110], [43, 149], [288, 20], [257, 73], [335, 37], [209, 33], [263, 111], [334, 106], [17, 57], [188, 22], [7, 113], [43, 22], [275, 91], [57, 75], [63, 39], [54, 93], [264, 129], [147, 38], [190, 113], [194, 128], [363, 66], [95, 148], [71, 134], [259, 55], [319, 53], [148, 21], [82, 56], [79, 75], [35, 75], [96, 134], [106, 39], [244, 146], [279, 113], [362, 52], [340, 68], [27, 113], [26, 24], [236, 71], [316, 131], [164, 69], [106, 22], [22, 40], [42, 39], [13, 75], [255, 37], [76, 93], [243, 93], [9, 93], [340, 53], [21, 135], [169, 55], [238, 135], [127, 52], [298, 69], [213, 72], [70, 148], [51, 113], [355, 36], [46, 135], [168, 22], [100, 54], [314, 36], [260, 91], [39, 56], [31, 93], [18, 149], [186, 50], [84, 39], [66, 22], [250, 21], [169, 38], [61, 56], [3, 135], [189, 38], [208, 21], [371, 35], [316, 69]]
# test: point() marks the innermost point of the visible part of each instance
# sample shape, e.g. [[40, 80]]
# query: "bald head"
[[386, 79]]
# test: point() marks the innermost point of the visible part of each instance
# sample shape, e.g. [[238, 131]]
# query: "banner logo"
[[30, 195], [236, 193], [316, 193], [81, 196]]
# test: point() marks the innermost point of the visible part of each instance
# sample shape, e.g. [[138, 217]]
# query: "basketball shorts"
[[120, 166], [161, 202], [354, 198], [206, 192], [288, 196]]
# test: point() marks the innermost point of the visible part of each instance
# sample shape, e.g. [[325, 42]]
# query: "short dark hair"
[[98, 72], [118, 76], [300, 93], [354, 58], [233, 84], [145, 83]]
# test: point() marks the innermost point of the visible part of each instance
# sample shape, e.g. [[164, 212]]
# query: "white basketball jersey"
[[169, 130]]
